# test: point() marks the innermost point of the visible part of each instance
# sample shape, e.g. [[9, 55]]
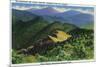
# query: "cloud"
[[88, 11], [60, 9], [27, 8]]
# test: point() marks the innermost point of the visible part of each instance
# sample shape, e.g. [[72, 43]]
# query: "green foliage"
[[79, 46], [88, 26], [21, 58], [24, 32], [16, 58]]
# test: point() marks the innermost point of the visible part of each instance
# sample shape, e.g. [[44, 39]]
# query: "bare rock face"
[[23, 51]]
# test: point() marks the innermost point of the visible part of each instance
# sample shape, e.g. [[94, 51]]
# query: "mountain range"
[[26, 33], [44, 11], [28, 26], [50, 14]]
